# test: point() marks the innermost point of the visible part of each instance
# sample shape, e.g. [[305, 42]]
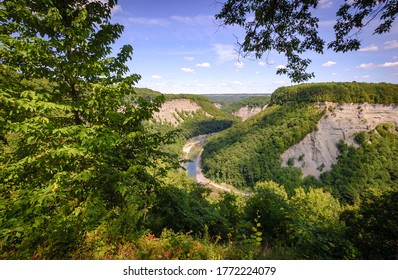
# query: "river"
[[193, 150]]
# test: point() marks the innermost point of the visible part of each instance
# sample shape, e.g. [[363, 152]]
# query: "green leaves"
[[290, 27], [284, 26], [72, 156]]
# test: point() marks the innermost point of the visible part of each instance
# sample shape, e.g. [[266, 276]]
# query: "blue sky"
[[180, 48]]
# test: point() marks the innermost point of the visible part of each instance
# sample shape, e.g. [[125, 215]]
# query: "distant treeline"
[[251, 102], [344, 92]]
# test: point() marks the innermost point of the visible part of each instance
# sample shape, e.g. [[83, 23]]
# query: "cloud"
[[187, 70], [197, 20], [225, 52], [329, 63], [149, 21], [156, 77], [189, 58], [362, 77], [239, 64], [325, 4], [327, 23], [281, 67], [391, 44], [262, 63], [204, 65], [237, 83], [117, 9], [373, 65], [371, 48], [279, 82]]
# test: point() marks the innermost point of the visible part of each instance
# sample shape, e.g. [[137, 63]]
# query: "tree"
[[290, 27], [73, 158]]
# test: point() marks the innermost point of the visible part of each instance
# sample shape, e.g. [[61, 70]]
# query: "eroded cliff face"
[[170, 110], [247, 112], [317, 152]]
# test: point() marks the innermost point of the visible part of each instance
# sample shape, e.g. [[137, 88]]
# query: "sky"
[[179, 47]]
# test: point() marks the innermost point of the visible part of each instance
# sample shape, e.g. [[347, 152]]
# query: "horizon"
[[180, 48]]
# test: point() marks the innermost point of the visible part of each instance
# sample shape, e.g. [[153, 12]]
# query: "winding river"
[[193, 150]]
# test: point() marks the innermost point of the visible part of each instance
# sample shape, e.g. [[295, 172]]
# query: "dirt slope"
[[318, 151]]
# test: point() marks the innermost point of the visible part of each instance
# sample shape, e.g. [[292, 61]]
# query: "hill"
[[296, 131]]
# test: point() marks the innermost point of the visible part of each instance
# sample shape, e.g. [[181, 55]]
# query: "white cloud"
[[329, 63], [325, 3], [366, 66], [197, 20], [149, 21], [237, 83], [117, 9], [279, 82], [187, 70], [204, 65], [327, 23], [262, 63], [225, 52], [373, 65], [391, 44], [389, 64], [189, 58], [156, 77], [239, 64], [371, 48], [281, 67]]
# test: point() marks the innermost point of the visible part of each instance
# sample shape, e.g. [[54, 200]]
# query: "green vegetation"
[[381, 93], [336, 216], [273, 26], [249, 151], [371, 168], [251, 102], [86, 173]]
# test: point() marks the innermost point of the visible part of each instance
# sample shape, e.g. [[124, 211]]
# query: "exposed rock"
[[317, 152], [247, 112], [171, 110], [218, 105]]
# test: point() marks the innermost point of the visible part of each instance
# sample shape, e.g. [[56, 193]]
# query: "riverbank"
[[193, 151]]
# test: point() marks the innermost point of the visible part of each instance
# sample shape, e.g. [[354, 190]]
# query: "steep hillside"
[[247, 112], [301, 128], [317, 152], [176, 110]]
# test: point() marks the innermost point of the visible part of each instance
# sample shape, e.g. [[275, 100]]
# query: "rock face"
[[247, 112], [171, 110], [318, 150]]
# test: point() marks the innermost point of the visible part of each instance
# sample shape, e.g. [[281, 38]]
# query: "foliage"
[[249, 151], [186, 211], [270, 202], [268, 26], [381, 93], [352, 17], [315, 228], [373, 227], [308, 222], [251, 102], [72, 162], [372, 167]]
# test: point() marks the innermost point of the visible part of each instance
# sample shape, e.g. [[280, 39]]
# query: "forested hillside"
[[88, 172], [364, 177], [380, 93]]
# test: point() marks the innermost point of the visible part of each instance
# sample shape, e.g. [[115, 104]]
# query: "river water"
[[192, 168]]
